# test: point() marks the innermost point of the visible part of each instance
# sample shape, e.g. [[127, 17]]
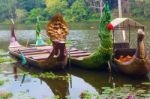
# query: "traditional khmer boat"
[[102, 56], [129, 60], [45, 57]]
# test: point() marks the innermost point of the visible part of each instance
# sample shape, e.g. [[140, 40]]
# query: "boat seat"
[[124, 52], [121, 45]]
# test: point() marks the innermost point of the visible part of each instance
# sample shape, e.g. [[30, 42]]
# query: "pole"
[[101, 7], [119, 8]]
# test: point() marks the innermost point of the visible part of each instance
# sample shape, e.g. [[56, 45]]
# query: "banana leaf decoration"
[[39, 40]]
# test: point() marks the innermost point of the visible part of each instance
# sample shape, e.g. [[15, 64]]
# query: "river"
[[78, 82]]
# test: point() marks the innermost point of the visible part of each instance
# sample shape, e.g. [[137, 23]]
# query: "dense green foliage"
[[140, 9], [26, 11]]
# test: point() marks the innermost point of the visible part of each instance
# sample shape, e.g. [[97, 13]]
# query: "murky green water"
[[79, 83]]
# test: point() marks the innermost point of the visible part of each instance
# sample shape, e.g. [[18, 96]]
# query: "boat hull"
[[38, 57], [134, 66]]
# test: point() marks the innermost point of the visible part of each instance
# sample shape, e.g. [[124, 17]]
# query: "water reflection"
[[79, 81], [71, 87]]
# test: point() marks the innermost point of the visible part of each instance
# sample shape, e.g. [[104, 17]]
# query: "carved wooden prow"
[[57, 30], [13, 39], [140, 51]]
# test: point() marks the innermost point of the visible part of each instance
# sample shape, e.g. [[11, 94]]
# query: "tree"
[[42, 13], [21, 14], [55, 6], [7, 9], [78, 11], [30, 4], [146, 9]]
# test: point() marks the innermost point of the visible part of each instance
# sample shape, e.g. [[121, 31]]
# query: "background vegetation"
[[25, 11]]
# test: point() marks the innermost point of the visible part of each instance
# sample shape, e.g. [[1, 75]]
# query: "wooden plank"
[[80, 54], [31, 51], [73, 49], [76, 52], [39, 58], [25, 48], [44, 47], [34, 53], [38, 55]]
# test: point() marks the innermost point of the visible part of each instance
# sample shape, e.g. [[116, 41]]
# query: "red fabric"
[[110, 26]]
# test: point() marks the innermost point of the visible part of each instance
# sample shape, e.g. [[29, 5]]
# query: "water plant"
[[1, 82], [57, 97], [88, 95], [5, 95], [6, 59], [146, 83], [52, 76]]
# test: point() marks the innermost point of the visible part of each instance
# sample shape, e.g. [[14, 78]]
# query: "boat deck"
[[43, 52]]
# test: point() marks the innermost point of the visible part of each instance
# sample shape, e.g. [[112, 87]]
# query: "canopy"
[[126, 22]]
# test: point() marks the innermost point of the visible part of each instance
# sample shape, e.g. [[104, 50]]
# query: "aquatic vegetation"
[[57, 97], [5, 95], [88, 95], [6, 59], [146, 83], [1, 82], [22, 94], [127, 91], [52, 76]]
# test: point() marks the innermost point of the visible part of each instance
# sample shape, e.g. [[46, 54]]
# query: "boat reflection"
[[78, 82], [61, 85]]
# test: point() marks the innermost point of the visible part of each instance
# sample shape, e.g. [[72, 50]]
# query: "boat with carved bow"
[[101, 57], [128, 58], [45, 57]]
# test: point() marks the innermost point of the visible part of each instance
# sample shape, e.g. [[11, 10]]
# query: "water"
[[79, 83]]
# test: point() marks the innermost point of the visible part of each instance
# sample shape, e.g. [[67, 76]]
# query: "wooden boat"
[[101, 57], [129, 60], [45, 57]]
